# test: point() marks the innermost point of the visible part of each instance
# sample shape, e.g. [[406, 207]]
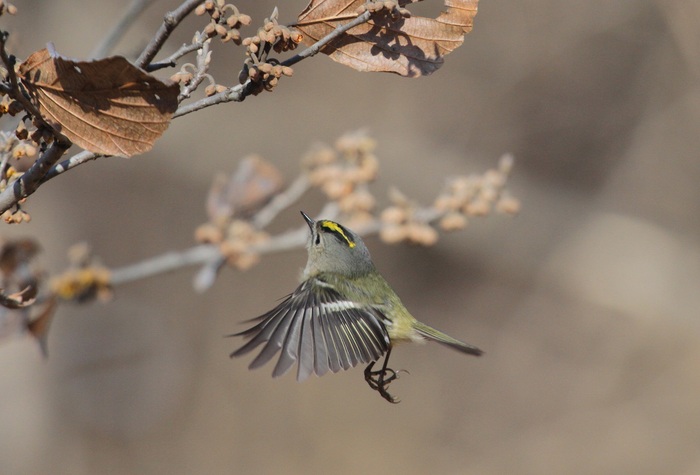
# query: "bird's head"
[[333, 248]]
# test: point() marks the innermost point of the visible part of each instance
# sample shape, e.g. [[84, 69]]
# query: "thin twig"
[[316, 47], [203, 253], [184, 50], [170, 22], [202, 68], [109, 42], [281, 201], [236, 93], [164, 263]]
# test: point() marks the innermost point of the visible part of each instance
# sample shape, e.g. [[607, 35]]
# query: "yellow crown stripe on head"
[[336, 228]]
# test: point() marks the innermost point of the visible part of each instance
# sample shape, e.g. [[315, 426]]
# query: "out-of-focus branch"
[[108, 43], [281, 202], [206, 276], [199, 255]]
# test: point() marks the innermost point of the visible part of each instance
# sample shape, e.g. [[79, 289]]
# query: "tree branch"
[[316, 47], [170, 22], [72, 162], [207, 253], [109, 42], [32, 178], [172, 19]]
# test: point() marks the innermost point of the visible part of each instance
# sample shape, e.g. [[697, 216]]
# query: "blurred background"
[[586, 303]]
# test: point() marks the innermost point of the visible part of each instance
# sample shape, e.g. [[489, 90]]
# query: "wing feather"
[[290, 348], [306, 345], [322, 353], [319, 329]]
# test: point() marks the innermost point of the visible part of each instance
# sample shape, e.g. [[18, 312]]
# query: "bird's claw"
[[379, 381]]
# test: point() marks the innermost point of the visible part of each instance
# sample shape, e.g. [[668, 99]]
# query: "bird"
[[344, 313]]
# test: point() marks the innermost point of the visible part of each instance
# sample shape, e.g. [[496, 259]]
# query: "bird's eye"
[[318, 239]]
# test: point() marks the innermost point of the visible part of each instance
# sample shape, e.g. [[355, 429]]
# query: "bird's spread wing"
[[318, 328]]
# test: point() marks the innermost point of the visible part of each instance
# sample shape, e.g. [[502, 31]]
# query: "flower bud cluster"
[[402, 222], [84, 280], [226, 20], [280, 37], [265, 75], [343, 172], [235, 240], [16, 216], [390, 7], [83, 284], [476, 196]]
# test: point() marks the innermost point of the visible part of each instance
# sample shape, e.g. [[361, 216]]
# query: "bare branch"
[[171, 60], [210, 256], [203, 58], [72, 162], [280, 202], [233, 94], [170, 22], [164, 263], [316, 47], [202, 254], [109, 42]]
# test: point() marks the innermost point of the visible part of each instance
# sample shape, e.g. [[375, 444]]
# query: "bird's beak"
[[309, 221]]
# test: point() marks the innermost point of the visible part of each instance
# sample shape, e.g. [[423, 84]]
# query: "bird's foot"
[[379, 380]]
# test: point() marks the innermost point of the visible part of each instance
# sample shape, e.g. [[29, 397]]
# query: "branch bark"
[[170, 22], [34, 177]]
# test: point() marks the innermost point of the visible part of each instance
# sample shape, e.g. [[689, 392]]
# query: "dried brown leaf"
[[21, 299], [39, 326], [411, 47], [108, 106]]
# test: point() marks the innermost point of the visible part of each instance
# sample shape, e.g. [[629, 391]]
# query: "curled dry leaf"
[[21, 299], [39, 326], [108, 106], [411, 47]]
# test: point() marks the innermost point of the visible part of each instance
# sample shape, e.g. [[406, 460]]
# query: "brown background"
[[586, 303]]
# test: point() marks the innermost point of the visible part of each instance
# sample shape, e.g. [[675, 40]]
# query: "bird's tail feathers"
[[436, 335]]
